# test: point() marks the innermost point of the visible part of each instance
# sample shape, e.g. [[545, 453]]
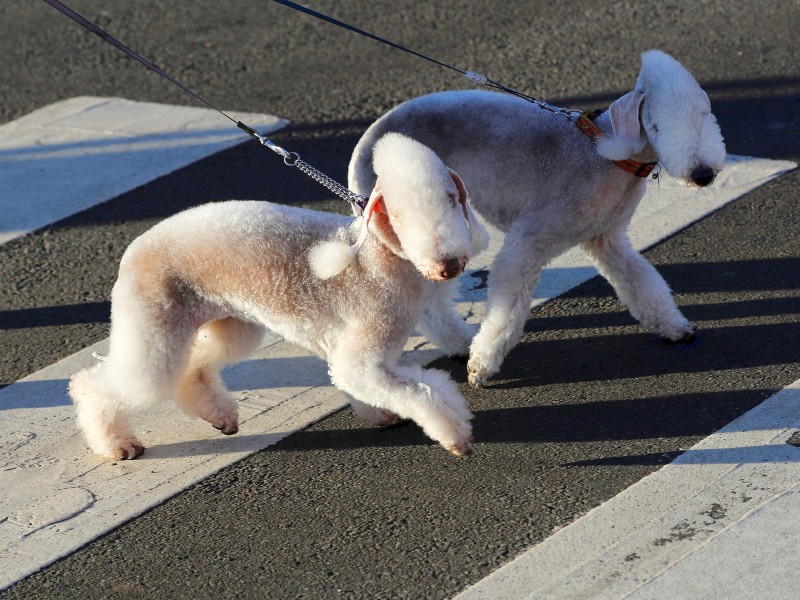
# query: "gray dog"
[[550, 185]]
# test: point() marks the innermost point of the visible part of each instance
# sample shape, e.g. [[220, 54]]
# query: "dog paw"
[[377, 417], [227, 425], [462, 448], [391, 420], [126, 449], [681, 337], [384, 419], [477, 374]]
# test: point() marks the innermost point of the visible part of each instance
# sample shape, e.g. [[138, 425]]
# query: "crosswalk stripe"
[[55, 496], [68, 156], [712, 524]]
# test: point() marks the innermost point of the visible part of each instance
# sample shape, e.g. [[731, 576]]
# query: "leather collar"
[[587, 125]]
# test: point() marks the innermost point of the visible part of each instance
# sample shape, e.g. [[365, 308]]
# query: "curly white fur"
[[534, 175], [196, 292]]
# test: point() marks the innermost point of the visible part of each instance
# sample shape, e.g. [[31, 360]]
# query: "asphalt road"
[[589, 402]]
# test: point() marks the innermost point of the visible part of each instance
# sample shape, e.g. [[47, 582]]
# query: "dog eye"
[[452, 199]]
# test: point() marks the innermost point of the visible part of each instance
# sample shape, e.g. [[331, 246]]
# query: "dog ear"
[[477, 234], [626, 122], [383, 228]]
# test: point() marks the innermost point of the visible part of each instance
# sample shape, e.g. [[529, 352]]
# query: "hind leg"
[[104, 423], [148, 352], [201, 391]]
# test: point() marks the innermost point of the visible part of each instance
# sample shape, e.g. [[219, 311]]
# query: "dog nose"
[[450, 268], [703, 176]]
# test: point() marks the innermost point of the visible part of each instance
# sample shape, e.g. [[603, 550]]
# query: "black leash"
[[471, 75], [575, 116], [292, 159]]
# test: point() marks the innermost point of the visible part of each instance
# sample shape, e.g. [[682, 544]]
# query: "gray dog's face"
[[685, 137], [677, 120]]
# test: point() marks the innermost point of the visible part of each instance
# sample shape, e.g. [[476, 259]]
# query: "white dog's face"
[[676, 117], [431, 228], [424, 216]]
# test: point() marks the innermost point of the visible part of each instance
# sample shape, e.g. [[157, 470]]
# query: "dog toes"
[[128, 450], [478, 372], [393, 421], [476, 380], [463, 448], [227, 427], [683, 338]]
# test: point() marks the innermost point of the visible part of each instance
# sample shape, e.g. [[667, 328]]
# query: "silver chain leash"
[[292, 159]]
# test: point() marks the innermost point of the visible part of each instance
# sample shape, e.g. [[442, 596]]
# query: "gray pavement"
[[585, 407]]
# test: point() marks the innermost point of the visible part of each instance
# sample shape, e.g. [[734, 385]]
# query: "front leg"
[[427, 396], [638, 285], [512, 278]]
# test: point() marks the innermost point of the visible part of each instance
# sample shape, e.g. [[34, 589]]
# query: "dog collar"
[[586, 124]]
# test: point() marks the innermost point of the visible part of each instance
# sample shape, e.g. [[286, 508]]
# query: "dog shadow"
[[557, 424]]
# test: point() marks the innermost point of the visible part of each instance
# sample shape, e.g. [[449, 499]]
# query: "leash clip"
[[476, 77], [264, 141]]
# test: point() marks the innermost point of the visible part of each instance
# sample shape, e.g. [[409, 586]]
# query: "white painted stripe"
[[73, 154], [719, 522], [55, 496]]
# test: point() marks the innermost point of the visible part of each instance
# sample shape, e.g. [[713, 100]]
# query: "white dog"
[[550, 185], [195, 292]]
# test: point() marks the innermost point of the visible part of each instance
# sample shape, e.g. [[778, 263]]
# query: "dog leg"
[[512, 278], [149, 346], [144, 362], [103, 422], [638, 285], [441, 323], [427, 396], [201, 392]]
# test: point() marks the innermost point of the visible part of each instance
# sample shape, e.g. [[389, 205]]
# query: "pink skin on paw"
[[227, 426], [128, 450], [464, 448]]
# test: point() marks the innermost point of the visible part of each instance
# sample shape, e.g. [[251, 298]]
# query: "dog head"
[[422, 212], [667, 118], [418, 209]]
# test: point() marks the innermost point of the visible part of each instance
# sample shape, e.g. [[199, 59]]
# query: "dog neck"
[[586, 124]]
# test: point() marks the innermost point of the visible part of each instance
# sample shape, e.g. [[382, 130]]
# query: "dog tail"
[[328, 259]]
